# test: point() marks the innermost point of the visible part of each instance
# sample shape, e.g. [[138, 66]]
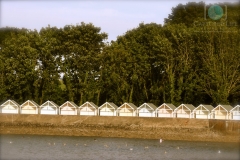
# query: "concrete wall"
[[128, 127]]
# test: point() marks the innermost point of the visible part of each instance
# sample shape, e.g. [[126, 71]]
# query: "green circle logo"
[[215, 12]]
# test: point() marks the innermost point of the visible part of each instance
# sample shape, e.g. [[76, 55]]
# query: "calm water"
[[24, 147]]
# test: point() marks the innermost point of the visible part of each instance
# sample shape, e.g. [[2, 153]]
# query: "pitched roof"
[[226, 107], [91, 104], [49, 102], [4, 103], [30, 101], [148, 104], [54, 103], [237, 106], [208, 107], [110, 103], [169, 105], [189, 106], [72, 103], [129, 104]]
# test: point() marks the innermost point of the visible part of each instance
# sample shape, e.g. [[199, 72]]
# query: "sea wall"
[[127, 127]]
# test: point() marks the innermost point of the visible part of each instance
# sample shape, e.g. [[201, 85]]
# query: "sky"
[[115, 17]]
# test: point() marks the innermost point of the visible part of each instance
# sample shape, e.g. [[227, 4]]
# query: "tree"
[[186, 14], [176, 49], [4, 34], [220, 73], [193, 12], [20, 60], [80, 50], [131, 65], [48, 83]]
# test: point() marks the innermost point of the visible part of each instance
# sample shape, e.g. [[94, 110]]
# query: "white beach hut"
[[68, 108], [10, 106], [146, 110], [184, 111], [235, 113], [221, 112], [108, 109], [202, 111], [88, 109], [29, 107], [127, 109], [49, 107], [165, 110]]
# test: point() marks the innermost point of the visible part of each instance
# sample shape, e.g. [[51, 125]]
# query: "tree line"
[[178, 62]]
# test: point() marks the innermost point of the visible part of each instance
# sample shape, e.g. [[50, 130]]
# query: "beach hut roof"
[[30, 101], [129, 104], [11, 101], [228, 108], [238, 106], [151, 105], [54, 104], [207, 107], [189, 106], [110, 103], [91, 104], [169, 105], [72, 103]]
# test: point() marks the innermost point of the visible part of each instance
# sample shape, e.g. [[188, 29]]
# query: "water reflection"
[[61, 147]]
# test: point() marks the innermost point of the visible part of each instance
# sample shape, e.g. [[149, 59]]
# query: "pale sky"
[[114, 17]]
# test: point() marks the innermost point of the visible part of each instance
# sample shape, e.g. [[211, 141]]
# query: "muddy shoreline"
[[127, 127]]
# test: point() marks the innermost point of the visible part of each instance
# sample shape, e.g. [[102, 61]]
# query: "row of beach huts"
[[126, 109]]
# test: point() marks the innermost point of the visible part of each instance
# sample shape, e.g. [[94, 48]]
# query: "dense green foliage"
[[175, 63]]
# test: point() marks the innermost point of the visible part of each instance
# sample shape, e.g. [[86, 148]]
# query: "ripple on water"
[[63, 147]]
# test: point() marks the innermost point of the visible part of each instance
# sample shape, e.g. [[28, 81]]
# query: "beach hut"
[[127, 109], [184, 111], [108, 109], [10, 106], [146, 110], [165, 110], [68, 108], [49, 107], [29, 107], [202, 111], [88, 109], [221, 112], [235, 113]]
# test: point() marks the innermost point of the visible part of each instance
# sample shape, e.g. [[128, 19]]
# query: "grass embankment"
[[127, 127]]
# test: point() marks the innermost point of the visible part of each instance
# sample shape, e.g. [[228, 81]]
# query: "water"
[[24, 147]]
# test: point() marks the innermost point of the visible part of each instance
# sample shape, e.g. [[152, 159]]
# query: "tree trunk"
[[98, 96], [130, 96], [145, 89], [81, 94], [41, 91], [172, 88]]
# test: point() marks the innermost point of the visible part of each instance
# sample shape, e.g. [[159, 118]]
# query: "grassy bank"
[[127, 127]]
